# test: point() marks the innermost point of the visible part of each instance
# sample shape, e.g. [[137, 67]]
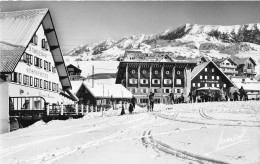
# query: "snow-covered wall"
[[4, 107]]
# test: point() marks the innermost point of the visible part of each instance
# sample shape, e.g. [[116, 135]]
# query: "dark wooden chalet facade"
[[161, 78], [209, 75]]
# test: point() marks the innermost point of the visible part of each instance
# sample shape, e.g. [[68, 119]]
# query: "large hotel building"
[[161, 78]]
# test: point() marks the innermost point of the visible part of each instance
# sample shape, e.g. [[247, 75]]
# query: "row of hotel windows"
[[38, 62], [206, 77], [155, 72], [207, 85], [33, 81], [156, 90], [44, 43], [154, 81]]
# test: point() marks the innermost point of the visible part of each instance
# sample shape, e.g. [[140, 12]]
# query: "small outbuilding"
[[102, 95]]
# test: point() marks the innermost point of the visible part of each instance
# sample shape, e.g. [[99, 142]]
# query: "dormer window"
[[46, 45], [35, 39], [43, 43]]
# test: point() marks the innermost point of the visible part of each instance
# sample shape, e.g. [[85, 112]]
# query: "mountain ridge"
[[190, 40]]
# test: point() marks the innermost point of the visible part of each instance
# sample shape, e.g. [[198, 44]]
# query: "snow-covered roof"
[[198, 68], [240, 79], [249, 86], [218, 61], [243, 60], [108, 90], [18, 27]]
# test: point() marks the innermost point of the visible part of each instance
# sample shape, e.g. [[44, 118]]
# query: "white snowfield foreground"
[[217, 132]]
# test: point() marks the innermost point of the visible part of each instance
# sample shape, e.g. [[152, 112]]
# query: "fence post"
[[77, 108], [82, 112], [48, 109], [61, 109]]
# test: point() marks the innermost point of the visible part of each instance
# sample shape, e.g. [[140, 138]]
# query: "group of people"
[[203, 96], [242, 94]]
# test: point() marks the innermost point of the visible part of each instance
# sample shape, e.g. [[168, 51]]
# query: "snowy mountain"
[[189, 41]]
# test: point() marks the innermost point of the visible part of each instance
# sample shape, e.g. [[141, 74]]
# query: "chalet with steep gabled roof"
[[32, 68], [209, 75], [245, 66], [228, 66]]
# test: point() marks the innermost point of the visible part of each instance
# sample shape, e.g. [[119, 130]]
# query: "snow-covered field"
[[217, 132]]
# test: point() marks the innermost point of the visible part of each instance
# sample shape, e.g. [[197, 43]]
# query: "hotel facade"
[[33, 73], [161, 78]]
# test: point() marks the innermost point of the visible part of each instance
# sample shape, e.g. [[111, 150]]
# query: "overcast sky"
[[87, 22]]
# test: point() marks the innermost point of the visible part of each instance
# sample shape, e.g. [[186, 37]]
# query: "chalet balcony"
[[228, 66], [250, 71], [230, 71]]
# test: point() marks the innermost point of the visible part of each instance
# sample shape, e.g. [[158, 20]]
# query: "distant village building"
[[74, 72], [199, 60], [161, 78], [208, 75], [251, 86], [245, 66], [228, 66], [102, 94], [138, 55], [32, 69]]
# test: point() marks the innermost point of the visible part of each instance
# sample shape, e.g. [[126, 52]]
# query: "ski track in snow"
[[49, 130], [14, 149], [67, 151], [148, 140]]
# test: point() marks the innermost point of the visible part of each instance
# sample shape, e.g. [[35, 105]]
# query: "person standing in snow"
[[209, 95], [131, 108], [241, 93], [222, 96], [171, 98], [194, 96], [190, 96], [235, 94], [151, 101], [133, 101], [123, 109]]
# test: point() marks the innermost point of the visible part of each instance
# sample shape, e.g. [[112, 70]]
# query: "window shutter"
[[43, 43]]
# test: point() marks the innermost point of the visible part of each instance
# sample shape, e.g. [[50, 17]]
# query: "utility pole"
[[103, 101], [92, 76]]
